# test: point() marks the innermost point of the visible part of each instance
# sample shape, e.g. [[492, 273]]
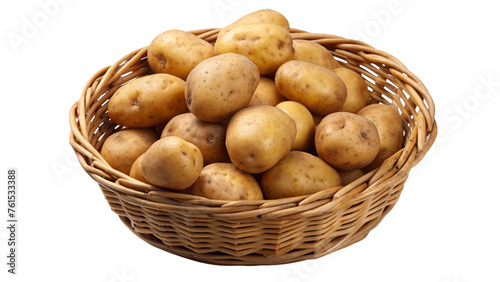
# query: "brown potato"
[[224, 181], [209, 137], [348, 176], [177, 52], [122, 148], [267, 45], [258, 137], [172, 162], [312, 52], [148, 101], [298, 173], [358, 94], [347, 141], [304, 122], [261, 16], [136, 172], [316, 87], [390, 129], [266, 93], [220, 86]]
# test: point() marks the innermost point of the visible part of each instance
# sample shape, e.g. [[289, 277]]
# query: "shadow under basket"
[[261, 232]]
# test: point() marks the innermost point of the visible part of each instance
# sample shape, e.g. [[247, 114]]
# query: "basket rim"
[[393, 170]]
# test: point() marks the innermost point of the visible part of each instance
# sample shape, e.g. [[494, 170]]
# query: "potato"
[[220, 86], [122, 148], [347, 141], [172, 162], [316, 87], [258, 137], [266, 93], [136, 172], [312, 52], [358, 94], [209, 137], [298, 173], [148, 101], [223, 181], [390, 129], [177, 52], [304, 122], [266, 45], [348, 176], [261, 16]]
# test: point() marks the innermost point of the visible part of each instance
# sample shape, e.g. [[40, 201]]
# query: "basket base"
[[251, 260]]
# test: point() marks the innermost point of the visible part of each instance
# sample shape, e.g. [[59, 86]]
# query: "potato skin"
[[172, 163], [298, 173], [266, 93], [122, 148], [209, 137], [358, 95], [177, 52], [148, 101], [261, 16], [390, 128], [220, 86], [224, 181], [347, 141], [258, 137], [312, 52], [266, 45], [316, 87], [136, 172], [348, 176], [304, 122]]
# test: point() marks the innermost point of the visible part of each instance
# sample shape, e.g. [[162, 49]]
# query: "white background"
[[445, 226]]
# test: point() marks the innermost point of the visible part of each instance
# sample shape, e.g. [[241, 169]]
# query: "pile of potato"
[[257, 115]]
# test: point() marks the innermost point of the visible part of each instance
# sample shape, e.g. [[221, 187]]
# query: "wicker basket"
[[267, 231]]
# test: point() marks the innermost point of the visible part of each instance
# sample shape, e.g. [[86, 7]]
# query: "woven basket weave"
[[267, 231]]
